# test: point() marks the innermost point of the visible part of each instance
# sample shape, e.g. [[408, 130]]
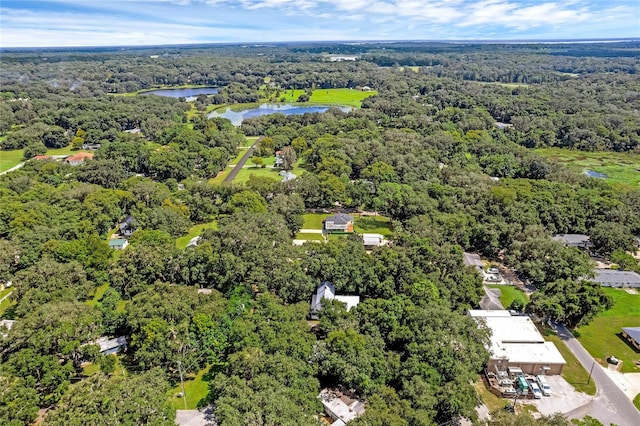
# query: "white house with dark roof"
[[617, 278], [338, 222], [573, 240], [327, 291]]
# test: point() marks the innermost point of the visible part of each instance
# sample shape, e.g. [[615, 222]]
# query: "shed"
[[632, 334], [118, 244], [372, 240]]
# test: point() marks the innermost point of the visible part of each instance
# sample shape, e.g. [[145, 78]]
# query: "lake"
[[236, 117], [190, 94]]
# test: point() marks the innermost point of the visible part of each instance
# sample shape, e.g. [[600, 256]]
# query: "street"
[[610, 405]]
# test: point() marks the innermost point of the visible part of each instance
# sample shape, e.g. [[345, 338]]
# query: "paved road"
[[231, 176], [610, 405]]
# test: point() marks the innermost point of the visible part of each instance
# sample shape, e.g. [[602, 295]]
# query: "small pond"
[[236, 117], [591, 173], [189, 94]]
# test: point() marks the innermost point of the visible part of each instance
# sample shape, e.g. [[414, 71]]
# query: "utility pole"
[[592, 365], [184, 395]]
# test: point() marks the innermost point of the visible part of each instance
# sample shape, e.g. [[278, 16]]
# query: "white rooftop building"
[[327, 291], [340, 407], [516, 342]]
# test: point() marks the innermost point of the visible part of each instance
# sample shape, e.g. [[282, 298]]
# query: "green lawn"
[[98, 295], [602, 337], [346, 97], [313, 220], [194, 231], [196, 389], [237, 158], [372, 225], [244, 174], [5, 312], [492, 401], [636, 401], [573, 372], [622, 169], [509, 293], [12, 158], [309, 236]]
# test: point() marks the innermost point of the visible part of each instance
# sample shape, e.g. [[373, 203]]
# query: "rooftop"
[[117, 242], [106, 344], [614, 276], [517, 339], [572, 238], [633, 332], [341, 406], [471, 259], [340, 218], [81, 156]]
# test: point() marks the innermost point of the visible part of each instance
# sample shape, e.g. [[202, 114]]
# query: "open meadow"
[[622, 169]]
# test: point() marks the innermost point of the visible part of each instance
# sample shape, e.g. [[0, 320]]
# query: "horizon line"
[[355, 41]]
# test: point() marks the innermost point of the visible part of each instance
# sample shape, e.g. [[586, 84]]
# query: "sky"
[[153, 22]]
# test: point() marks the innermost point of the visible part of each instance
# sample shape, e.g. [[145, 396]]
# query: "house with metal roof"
[[473, 260], [573, 240], [632, 334], [617, 278], [327, 291], [118, 244]]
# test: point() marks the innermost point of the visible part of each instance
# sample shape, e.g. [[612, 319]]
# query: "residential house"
[[632, 334], [573, 240], [126, 226], [371, 241], [617, 278], [502, 126], [79, 158], [340, 406], [473, 260], [41, 157], [137, 132], [110, 346], [516, 342], [5, 325], [338, 223], [327, 291], [118, 244]]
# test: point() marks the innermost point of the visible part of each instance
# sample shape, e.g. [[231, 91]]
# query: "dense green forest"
[[424, 151]]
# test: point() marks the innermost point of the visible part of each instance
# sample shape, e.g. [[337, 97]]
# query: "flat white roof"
[[350, 301], [475, 313], [517, 339]]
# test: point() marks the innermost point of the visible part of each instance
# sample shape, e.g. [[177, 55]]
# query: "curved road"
[[610, 405]]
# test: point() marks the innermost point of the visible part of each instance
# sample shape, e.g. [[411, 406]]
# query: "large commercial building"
[[516, 342]]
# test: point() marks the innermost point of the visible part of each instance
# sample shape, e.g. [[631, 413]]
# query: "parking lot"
[[563, 400]]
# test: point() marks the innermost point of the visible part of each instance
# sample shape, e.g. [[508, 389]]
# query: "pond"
[[236, 117], [190, 94], [591, 173]]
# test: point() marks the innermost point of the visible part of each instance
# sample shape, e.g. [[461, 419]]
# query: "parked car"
[[544, 386], [537, 393], [493, 270], [494, 278]]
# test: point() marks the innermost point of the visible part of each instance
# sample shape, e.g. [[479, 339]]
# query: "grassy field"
[[194, 231], [196, 389], [12, 158], [313, 220], [309, 236], [244, 174], [346, 97], [602, 337], [573, 372], [509, 293], [636, 401], [372, 225], [622, 169]]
